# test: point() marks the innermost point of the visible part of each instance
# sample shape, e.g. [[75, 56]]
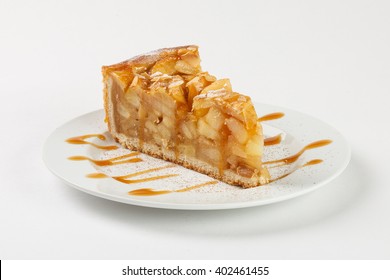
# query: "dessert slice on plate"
[[164, 105]]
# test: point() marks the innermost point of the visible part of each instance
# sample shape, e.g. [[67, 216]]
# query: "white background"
[[330, 59], [277, 269]]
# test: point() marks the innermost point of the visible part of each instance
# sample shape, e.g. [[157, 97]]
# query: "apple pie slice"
[[164, 105]]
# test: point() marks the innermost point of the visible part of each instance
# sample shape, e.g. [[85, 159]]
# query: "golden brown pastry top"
[[126, 70], [177, 72]]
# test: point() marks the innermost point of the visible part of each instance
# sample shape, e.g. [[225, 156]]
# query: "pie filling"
[[163, 104]]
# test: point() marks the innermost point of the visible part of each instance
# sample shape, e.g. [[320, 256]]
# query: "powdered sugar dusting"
[[187, 178]]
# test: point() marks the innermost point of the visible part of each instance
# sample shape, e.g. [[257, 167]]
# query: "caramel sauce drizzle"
[[124, 178], [270, 117], [96, 175], [187, 189], [134, 181], [295, 157], [112, 161], [145, 171], [150, 192], [274, 140], [311, 162], [80, 140]]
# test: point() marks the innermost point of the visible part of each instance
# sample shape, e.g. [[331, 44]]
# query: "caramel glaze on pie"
[[164, 105]]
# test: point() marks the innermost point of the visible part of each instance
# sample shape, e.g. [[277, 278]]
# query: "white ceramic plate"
[[297, 130]]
